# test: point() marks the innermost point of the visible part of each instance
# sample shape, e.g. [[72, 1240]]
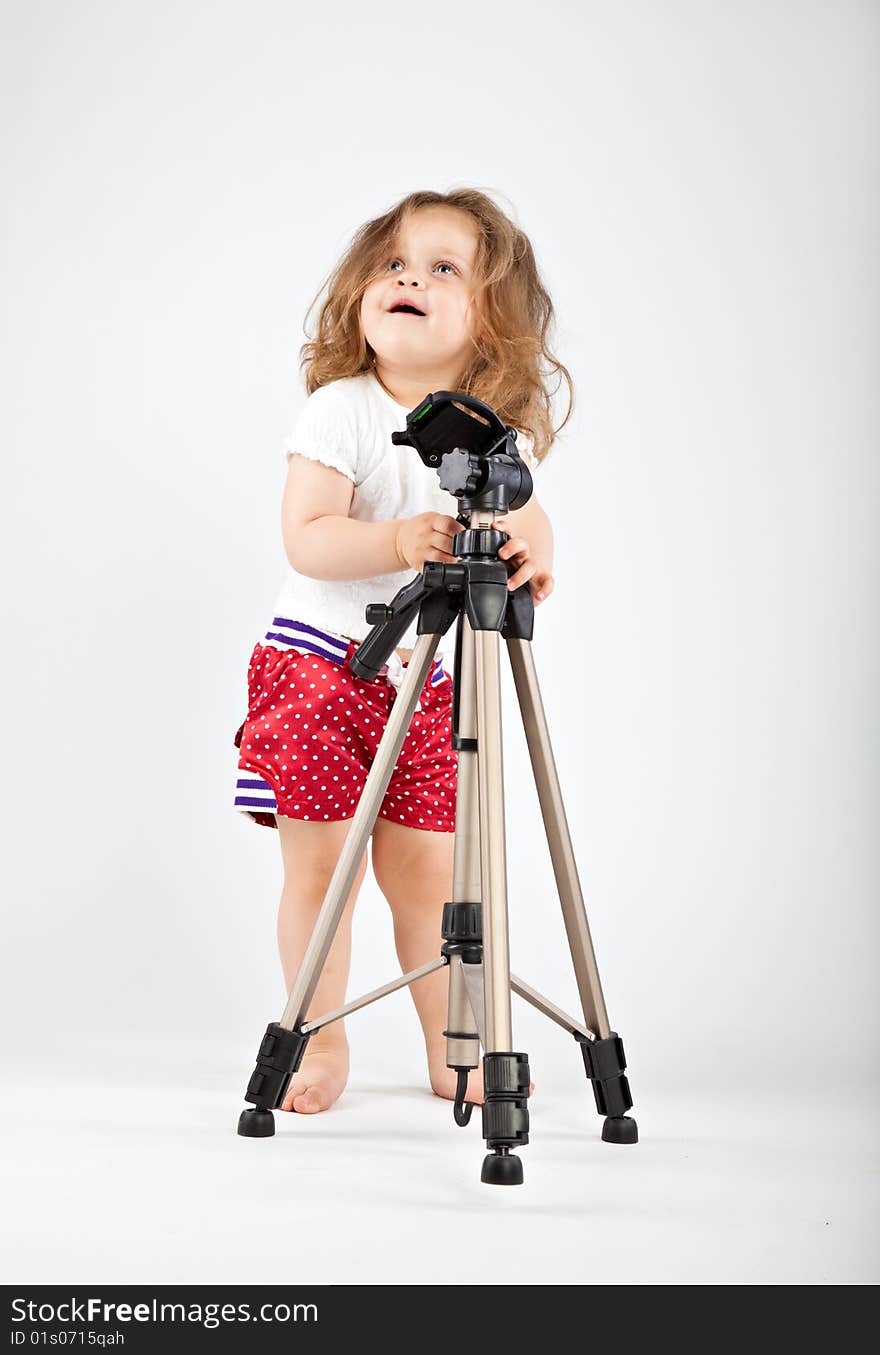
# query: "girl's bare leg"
[[310, 852]]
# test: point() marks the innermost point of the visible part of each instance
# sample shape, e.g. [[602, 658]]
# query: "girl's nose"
[[410, 277]]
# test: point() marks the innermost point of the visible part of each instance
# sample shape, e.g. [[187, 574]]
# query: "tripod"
[[488, 478]]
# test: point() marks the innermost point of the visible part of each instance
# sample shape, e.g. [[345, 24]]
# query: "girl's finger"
[[441, 557], [441, 542], [515, 546], [522, 575]]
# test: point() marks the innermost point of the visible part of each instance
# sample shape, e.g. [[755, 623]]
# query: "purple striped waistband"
[[288, 634]]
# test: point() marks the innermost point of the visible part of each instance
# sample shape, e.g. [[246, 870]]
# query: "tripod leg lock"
[[605, 1063], [279, 1056], [506, 1079], [462, 923]]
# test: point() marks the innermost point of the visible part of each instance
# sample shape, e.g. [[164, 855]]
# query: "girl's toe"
[[289, 1098], [308, 1101]]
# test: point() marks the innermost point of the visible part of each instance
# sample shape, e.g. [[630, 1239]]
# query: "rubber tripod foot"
[[256, 1124], [502, 1169], [620, 1129]]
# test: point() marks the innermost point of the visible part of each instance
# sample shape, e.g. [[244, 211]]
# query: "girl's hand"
[[526, 567], [427, 536]]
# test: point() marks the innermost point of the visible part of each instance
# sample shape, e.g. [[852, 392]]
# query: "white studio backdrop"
[[699, 182]]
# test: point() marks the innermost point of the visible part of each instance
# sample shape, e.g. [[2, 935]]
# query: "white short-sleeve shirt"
[[347, 424]]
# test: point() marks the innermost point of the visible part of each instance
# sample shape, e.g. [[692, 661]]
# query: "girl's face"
[[430, 267]]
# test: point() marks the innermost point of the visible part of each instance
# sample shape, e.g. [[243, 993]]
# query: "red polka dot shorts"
[[313, 728]]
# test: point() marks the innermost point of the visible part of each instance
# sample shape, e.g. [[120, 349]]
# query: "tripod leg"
[[462, 1040], [284, 1043], [604, 1058], [505, 1073], [462, 923]]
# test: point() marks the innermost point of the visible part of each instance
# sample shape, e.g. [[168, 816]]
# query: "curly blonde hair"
[[512, 310]]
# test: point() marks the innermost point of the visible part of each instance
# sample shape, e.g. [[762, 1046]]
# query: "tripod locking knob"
[[460, 473]]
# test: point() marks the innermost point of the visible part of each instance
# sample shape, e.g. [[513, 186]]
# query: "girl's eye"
[[441, 264]]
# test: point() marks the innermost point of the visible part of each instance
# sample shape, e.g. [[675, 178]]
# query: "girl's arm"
[[323, 542], [320, 539]]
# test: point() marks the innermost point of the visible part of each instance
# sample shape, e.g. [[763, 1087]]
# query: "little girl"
[[440, 293]]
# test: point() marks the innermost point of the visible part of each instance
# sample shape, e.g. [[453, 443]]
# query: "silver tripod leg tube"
[[493, 856], [558, 837], [463, 1043], [466, 883], [372, 795], [463, 1019]]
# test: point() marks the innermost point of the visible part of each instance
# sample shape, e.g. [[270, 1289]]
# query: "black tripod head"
[[472, 451], [475, 457]]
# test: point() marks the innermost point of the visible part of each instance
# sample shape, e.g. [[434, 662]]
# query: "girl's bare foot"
[[444, 1080], [320, 1080]]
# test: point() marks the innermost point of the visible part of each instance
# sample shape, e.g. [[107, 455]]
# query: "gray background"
[[699, 182]]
